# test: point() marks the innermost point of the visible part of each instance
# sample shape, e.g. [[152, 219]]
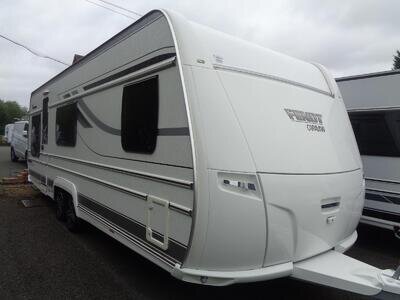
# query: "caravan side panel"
[[139, 197]]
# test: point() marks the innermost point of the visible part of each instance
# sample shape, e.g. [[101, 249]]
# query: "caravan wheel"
[[60, 206], [14, 157], [73, 222]]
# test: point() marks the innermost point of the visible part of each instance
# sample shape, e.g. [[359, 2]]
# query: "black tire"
[[14, 157], [73, 223], [61, 206]]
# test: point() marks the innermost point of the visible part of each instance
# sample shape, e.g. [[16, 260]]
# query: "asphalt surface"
[[7, 167], [40, 259]]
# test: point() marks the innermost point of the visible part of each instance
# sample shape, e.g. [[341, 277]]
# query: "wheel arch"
[[67, 186]]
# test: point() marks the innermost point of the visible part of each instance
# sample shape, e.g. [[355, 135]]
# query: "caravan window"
[[66, 118], [139, 117], [35, 136], [377, 132], [45, 120]]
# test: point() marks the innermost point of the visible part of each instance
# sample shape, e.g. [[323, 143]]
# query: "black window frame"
[[35, 134], [45, 121], [139, 116], [66, 137], [377, 132]]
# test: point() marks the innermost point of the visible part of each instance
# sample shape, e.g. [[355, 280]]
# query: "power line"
[[110, 9], [121, 7], [34, 52]]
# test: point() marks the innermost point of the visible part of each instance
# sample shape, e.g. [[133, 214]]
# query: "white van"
[[8, 129], [217, 159], [19, 141]]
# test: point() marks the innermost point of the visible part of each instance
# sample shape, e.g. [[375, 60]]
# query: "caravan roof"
[[200, 42]]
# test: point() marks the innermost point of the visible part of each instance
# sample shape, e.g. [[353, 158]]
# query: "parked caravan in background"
[[19, 141], [217, 159], [8, 129], [373, 104]]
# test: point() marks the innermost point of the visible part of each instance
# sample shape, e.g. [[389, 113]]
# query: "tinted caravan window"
[[35, 136], [45, 120], [377, 133], [66, 118], [139, 117]]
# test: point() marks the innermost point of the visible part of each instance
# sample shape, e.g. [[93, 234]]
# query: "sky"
[[348, 37]]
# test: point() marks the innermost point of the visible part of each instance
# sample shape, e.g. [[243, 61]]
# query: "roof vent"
[[77, 58]]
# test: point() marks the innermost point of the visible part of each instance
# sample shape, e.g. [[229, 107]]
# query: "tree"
[[10, 111], [396, 61]]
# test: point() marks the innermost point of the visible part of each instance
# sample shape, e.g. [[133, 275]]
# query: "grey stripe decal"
[[175, 249], [95, 120], [273, 77], [174, 131], [82, 120]]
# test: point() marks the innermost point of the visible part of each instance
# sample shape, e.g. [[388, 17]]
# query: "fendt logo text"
[[313, 120]]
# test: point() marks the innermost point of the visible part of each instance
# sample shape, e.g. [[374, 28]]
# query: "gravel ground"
[[40, 259]]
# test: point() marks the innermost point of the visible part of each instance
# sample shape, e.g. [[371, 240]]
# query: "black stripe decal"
[[383, 215], [38, 176], [382, 198], [175, 250], [137, 67], [174, 131]]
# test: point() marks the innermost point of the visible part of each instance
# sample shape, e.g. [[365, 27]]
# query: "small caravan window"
[[139, 117], [35, 136], [45, 120], [66, 118], [377, 132]]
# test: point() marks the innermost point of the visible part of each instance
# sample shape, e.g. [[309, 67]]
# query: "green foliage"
[[396, 60], [10, 111]]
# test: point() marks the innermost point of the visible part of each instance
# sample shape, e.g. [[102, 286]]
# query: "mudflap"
[[340, 271]]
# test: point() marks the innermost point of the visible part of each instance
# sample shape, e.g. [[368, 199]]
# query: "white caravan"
[[8, 129], [19, 141], [216, 159], [373, 104]]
